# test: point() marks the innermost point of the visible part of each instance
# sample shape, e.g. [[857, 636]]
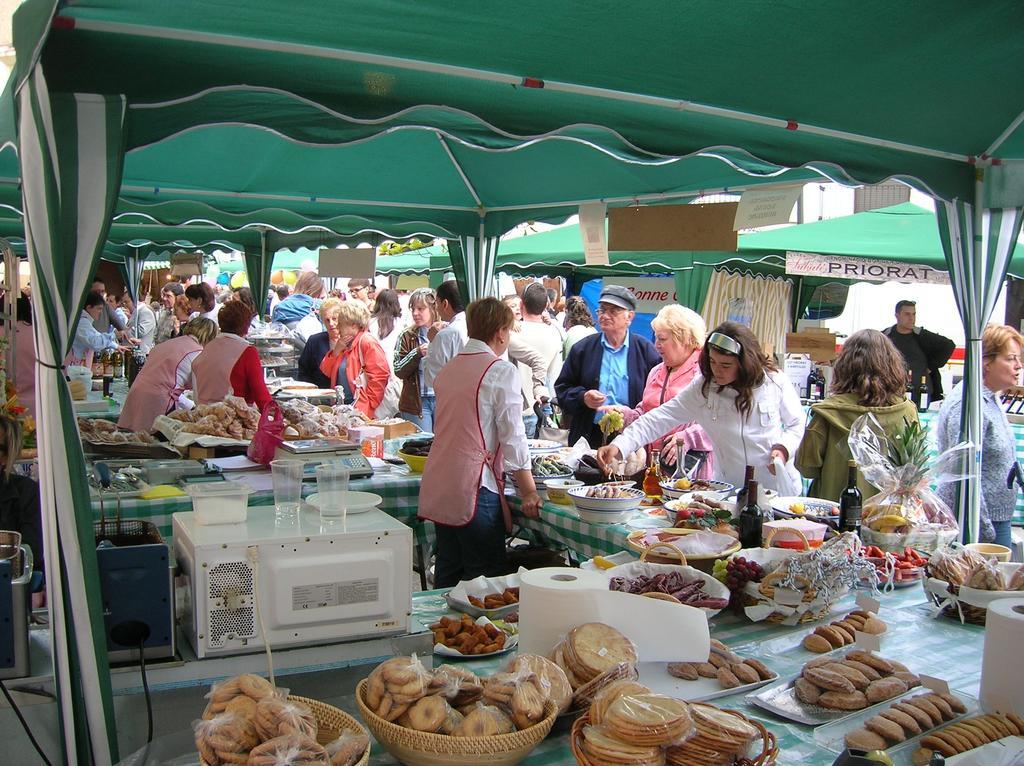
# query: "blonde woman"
[[19, 495], [678, 336], [416, 402], [167, 373], [356, 361]]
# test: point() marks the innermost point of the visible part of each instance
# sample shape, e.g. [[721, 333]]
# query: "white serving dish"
[[716, 490], [629, 503], [221, 502], [604, 517], [557, 490]]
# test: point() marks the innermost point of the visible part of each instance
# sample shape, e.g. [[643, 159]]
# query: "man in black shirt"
[[924, 352]]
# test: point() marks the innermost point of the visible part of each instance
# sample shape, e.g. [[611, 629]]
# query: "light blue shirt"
[[614, 380], [88, 338]]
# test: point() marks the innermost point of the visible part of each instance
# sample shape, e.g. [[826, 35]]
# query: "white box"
[[219, 502], [315, 583]]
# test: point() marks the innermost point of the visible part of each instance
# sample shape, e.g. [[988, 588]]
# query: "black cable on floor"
[[24, 724], [145, 688]]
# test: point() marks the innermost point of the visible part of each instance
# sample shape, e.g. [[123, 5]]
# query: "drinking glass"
[[331, 488], [287, 477]]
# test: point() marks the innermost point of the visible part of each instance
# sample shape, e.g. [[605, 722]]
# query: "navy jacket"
[[582, 372], [316, 348]]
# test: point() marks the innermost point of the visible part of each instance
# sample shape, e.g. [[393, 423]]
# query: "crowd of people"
[[426, 355]]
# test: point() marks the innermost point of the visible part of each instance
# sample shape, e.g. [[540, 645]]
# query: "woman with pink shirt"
[[678, 336]]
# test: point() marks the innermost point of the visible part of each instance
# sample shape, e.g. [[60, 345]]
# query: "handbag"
[[269, 435], [388, 406], [547, 426]]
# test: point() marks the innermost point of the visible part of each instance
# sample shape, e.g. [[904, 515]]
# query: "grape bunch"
[[611, 422], [739, 571]]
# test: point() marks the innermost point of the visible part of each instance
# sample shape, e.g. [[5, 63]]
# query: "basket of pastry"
[[628, 724], [485, 596], [962, 583], [803, 588], [247, 720], [593, 655], [102, 437], [450, 716]]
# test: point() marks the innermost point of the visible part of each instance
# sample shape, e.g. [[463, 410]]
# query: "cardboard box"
[[818, 343], [395, 430]]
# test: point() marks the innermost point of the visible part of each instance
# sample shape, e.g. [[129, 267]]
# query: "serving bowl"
[[630, 500]]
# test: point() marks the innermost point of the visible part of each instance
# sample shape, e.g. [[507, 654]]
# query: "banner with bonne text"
[[651, 293]]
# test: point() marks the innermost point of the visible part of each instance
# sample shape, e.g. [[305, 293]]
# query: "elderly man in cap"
[[609, 367]]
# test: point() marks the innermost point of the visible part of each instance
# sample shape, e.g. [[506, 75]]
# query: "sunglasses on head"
[[725, 344]]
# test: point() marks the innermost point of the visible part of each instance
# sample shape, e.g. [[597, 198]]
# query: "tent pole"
[[449, 70], [461, 172], [12, 281]]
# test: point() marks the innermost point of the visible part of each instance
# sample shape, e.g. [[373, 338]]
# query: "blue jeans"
[[426, 420], [1003, 536], [530, 423], [475, 549]]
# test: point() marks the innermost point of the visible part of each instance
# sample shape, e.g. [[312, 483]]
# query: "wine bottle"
[[850, 502], [751, 520], [741, 496], [923, 399]]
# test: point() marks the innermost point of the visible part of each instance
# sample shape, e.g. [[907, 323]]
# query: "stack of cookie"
[[968, 734], [630, 725], [553, 677], [395, 685], [723, 664], [839, 633], [721, 739], [861, 679], [905, 719], [592, 649], [247, 720]]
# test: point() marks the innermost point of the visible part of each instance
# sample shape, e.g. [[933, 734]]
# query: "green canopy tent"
[[281, 112]]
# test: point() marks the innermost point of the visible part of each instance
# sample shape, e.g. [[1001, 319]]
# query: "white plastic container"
[[220, 502]]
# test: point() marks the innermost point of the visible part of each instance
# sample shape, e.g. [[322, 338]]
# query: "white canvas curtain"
[[769, 299], [978, 243], [71, 161]]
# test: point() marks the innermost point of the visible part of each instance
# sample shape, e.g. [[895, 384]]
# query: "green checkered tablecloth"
[[398, 488], [936, 647]]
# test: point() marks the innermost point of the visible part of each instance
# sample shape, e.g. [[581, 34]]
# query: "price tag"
[[788, 597], [867, 603], [937, 685], [867, 641]]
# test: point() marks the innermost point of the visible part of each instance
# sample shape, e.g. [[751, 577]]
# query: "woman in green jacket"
[[869, 375]]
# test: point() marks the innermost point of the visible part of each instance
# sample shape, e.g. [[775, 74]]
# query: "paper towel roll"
[[1002, 672], [553, 601]]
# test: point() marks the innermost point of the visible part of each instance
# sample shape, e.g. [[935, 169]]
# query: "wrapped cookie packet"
[[224, 738], [289, 750], [347, 749]]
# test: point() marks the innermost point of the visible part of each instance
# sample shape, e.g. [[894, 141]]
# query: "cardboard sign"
[[410, 282], [820, 345], [867, 603], [861, 269], [592, 229], [663, 228], [766, 207], [869, 642], [352, 262]]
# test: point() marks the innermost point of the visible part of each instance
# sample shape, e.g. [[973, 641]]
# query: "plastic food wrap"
[[224, 738], [394, 685], [289, 750], [906, 512], [239, 694], [348, 748], [484, 721], [275, 717]]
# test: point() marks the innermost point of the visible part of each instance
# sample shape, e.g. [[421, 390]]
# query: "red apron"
[[156, 390], [459, 454], [212, 368]]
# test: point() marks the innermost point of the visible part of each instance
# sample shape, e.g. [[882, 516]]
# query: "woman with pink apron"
[[478, 435], [211, 370], [229, 365], [166, 374]]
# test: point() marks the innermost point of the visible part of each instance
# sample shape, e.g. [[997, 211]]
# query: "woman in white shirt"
[[748, 408], [385, 322], [202, 301]]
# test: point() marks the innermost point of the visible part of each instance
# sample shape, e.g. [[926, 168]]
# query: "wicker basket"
[[418, 748], [976, 615], [767, 589], [673, 555], [330, 722], [769, 745]]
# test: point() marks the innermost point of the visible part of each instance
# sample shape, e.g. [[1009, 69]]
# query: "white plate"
[[816, 509], [356, 502], [655, 676], [511, 642], [543, 445]]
